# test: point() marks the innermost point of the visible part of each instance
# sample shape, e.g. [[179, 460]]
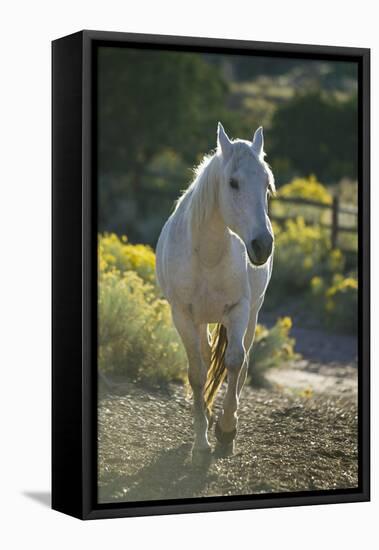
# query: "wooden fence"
[[335, 208]]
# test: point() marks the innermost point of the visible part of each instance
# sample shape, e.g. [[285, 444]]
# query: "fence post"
[[334, 236]]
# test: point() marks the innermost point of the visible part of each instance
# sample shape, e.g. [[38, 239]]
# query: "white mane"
[[200, 197]]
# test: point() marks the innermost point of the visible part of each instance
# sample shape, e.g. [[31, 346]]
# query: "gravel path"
[[299, 435]]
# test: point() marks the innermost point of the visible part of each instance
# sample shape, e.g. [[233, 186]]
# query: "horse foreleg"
[[235, 358], [197, 373], [248, 342]]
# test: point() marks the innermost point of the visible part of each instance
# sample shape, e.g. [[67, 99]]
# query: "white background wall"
[[26, 31]]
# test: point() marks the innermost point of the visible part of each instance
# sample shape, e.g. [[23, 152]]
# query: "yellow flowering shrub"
[[302, 252], [306, 188], [337, 303], [342, 303], [116, 253], [307, 270], [303, 188], [136, 336], [272, 348]]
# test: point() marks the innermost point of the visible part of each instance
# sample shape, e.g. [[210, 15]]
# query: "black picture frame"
[[74, 273]]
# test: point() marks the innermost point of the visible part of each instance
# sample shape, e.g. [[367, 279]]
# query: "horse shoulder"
[[173, 263], [160, 257]]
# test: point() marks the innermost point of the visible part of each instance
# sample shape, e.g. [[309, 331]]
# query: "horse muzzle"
[[260, 249]]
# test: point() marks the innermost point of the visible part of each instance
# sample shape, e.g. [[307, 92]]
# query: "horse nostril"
[[262, 248], [255, 245]]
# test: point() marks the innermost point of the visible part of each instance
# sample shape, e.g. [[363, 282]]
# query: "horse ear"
[[223, 142], [258, 141]]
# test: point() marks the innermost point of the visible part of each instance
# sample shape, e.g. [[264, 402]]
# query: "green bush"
[[306, 188], [337, 303], [136, 336], [307, 272], [272, 348], [301, 252], [303, 188], [115, 253]]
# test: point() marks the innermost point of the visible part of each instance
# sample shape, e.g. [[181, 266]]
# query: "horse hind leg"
[[206, 354], [235, 361], [197, 374]]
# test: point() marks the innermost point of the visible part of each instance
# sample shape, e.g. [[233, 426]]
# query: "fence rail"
[[351, 210]]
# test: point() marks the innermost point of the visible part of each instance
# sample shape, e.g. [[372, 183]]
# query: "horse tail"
[[217, 371]]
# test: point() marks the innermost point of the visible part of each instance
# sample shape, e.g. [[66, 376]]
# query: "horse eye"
[[233, 183]]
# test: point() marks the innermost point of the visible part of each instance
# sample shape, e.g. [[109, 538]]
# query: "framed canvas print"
[[210, 275]]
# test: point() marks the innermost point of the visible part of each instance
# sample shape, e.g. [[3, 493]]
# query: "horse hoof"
[[225, 441], [223, 451], [201, 457]]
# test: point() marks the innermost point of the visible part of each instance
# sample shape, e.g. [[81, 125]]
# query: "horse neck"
[[211, 239]]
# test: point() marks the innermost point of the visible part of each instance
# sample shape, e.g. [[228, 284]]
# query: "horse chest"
[[210, 300]]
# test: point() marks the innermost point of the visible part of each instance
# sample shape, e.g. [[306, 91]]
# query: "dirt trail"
[[299, 435]]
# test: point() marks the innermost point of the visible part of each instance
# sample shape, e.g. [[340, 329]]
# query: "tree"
[[316, 134], [151, 100]]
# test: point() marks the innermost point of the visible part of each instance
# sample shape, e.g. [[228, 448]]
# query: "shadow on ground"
[[42, 497], [170, 475]]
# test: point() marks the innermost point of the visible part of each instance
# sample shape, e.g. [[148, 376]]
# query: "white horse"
[[214, 262]]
